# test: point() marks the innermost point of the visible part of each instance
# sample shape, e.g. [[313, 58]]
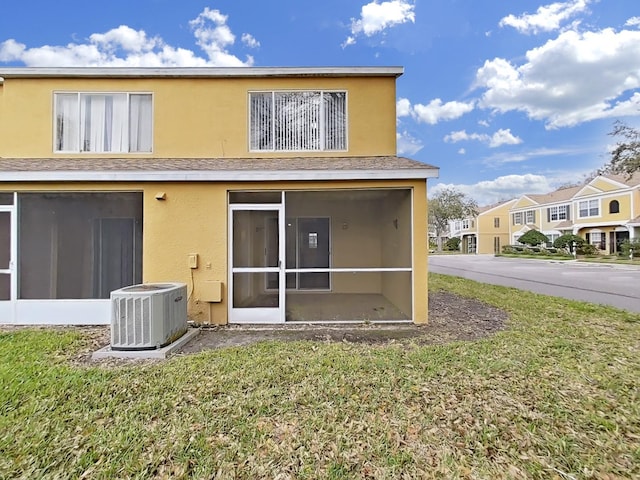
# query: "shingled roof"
[[213, 169]]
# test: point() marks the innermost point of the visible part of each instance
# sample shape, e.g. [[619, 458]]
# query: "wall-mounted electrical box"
[[211, 291], [192, 260]]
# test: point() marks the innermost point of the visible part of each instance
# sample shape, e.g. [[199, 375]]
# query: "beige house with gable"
[[604, 211]]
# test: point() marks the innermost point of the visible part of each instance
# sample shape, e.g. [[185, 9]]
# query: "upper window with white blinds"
[[103, 122], [298, 121]]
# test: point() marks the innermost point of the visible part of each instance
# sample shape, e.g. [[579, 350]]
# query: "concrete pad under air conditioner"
[[160, 353]]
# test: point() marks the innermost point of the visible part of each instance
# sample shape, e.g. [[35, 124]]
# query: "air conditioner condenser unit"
[[148, 316]]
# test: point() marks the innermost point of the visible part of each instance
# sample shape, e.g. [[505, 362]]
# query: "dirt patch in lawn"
[[451, 318]]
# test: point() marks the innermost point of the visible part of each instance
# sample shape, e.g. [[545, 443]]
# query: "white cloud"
[[462, 136], [462, 151], [437, 111], [506, 187], [547, 18], [126, 47], [501, 158], [504, 137], [572, 79], [375, 17], [501, 137], [633, 22], [483, 123], [249, 40], [403, 107], [407, 145]]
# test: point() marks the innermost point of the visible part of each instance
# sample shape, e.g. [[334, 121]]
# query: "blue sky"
[[505, 97]]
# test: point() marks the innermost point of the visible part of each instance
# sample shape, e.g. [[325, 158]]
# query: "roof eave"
[[217, 176], [198, 72]]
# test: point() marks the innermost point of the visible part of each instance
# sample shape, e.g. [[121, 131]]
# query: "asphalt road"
[[615, 285]]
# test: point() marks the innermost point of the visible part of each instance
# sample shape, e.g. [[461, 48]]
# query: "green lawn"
[[556, 395]]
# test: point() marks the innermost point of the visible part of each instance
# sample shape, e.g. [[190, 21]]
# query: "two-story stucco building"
[[275, 194], [605, 211]]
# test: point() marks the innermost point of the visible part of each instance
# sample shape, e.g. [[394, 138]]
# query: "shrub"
[[626, 247], [533, 238], [566, 241], [586, 249], [452, 244]]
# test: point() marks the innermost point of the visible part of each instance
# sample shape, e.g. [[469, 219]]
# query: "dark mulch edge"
[[451, 318]]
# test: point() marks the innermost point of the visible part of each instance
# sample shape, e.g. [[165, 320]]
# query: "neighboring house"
[[485, 233], [546, 213], [275, 194], [604, 211]]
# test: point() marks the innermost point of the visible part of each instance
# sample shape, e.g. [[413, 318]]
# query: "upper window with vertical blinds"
[[298, 121], [103, 122]]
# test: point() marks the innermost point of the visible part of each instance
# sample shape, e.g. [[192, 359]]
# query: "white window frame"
[[322, 121], [465, 224], [557, 213], [588, 208], [517, 218], [552, 238], [530, 217], [79, 95], [596, 238]]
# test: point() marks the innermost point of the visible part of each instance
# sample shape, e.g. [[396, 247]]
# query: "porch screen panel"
[[5, 240], [369, 228], [356, 296], [78, 245], [5, 286]]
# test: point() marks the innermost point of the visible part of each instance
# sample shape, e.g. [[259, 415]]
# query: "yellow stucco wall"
[[604, 185], [194, 219], [195, 117], [522, 203], [624, 200], [487, 231]]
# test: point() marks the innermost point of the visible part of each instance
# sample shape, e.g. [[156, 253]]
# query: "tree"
[[533, 238], [566, 241], [625, 156], [446, 205]]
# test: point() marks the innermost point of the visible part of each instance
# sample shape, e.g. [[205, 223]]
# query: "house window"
[[589, 208], [614, 206], [598, 239], [517, 218], [558, 212], [465, 224], [552, 238], [530, 216], [496, 222], [103, 122], [298, 121]]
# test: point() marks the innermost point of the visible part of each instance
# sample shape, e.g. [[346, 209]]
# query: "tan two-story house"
[[275, 194]]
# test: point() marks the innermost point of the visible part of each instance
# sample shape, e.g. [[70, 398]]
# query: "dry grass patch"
[[555, 395]]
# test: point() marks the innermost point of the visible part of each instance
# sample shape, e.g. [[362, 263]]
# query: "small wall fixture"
[[161, 196]]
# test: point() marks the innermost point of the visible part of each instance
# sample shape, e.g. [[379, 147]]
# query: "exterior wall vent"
[[148, 316]]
